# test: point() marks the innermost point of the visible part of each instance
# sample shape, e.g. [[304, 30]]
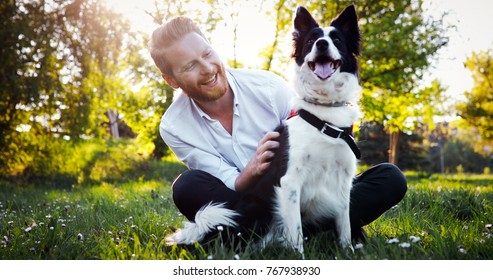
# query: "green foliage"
[[65, 163], [398, 46], [66, 64], [460, 153], [477, 109]]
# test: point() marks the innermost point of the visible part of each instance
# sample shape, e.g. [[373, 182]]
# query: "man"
[[221, 127]]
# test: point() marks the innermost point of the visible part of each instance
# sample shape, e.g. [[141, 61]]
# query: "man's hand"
[[262, 159], [260, 163]]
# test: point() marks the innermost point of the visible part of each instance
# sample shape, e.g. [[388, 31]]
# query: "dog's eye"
[[337, 41], [310, 42]]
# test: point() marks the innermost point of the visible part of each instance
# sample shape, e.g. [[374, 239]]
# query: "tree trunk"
[[270, 55], [113, 117], [393, 151]]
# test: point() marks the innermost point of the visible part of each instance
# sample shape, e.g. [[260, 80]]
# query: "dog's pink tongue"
[[323, 71]]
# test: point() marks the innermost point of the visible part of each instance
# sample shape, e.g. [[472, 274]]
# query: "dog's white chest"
[[322, 167]]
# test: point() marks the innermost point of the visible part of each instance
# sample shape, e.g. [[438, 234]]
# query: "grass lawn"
[[442, 217]]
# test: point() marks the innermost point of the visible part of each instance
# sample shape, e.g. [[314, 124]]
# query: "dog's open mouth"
[[324, 67]]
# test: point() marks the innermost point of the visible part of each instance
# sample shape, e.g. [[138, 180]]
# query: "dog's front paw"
[[351, 248], [299, 248]]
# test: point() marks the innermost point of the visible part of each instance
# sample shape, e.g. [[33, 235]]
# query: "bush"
[[61, 163]]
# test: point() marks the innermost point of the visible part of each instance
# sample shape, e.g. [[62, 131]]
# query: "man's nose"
[[206, 67]]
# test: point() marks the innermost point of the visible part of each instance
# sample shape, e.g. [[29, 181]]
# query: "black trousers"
[[374, 191]]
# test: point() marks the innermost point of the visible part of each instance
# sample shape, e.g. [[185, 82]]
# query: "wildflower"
[[220, 228], [11, 223], [488, 226], [63, 225], [405, 245], [358, 246], [5, 238], [210, 257], [237, 257], [392, 241], [52, 228], [48, 216], [414, 239], [462, 249], [28, 229], [80, 236]]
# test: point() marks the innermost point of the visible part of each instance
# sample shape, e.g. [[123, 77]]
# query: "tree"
[[61, 75], [477, 109], [282, 13], [398, 46]]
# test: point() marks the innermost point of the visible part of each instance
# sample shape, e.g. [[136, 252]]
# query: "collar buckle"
[[328, 127]]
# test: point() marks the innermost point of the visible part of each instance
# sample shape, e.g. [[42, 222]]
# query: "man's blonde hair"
[[167, 34]]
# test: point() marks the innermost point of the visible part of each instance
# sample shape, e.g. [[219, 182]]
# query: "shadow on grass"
[[99, 171]]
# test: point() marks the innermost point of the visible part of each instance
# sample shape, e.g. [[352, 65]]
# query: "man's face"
[[196, 68]]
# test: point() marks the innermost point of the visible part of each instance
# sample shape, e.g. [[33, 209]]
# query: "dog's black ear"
[[303, 20], [347, 22]]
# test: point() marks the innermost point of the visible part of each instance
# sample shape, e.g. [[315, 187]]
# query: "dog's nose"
[[322, 45]]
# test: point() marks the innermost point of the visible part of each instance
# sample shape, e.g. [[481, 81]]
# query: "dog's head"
[[326, 56]]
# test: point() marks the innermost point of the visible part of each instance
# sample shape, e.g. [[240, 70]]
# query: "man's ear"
[[170, 80]]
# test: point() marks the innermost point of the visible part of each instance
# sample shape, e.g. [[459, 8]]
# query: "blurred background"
[[81, 100]]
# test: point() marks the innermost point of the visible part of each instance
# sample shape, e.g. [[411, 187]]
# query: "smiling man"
[[221, 125]]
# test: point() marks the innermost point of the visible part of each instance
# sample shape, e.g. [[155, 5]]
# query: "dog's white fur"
[[319, 177]]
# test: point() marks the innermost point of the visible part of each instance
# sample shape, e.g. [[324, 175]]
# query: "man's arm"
[[260, 162]]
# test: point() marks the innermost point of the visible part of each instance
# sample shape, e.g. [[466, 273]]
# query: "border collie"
[[311, 175]]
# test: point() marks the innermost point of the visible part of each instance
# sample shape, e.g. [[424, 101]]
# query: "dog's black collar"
[[345, 133], [327, 104]]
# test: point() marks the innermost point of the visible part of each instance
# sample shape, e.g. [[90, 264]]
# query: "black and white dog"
[[310, 178]]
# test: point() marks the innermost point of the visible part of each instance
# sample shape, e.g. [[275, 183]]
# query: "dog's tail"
[[207, 219]]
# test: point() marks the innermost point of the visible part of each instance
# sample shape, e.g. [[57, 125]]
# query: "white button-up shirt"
[[261, 101]]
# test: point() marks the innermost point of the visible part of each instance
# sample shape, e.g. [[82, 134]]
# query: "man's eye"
[[188, 67]]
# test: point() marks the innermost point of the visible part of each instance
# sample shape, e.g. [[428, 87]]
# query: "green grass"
[[441, 217]]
